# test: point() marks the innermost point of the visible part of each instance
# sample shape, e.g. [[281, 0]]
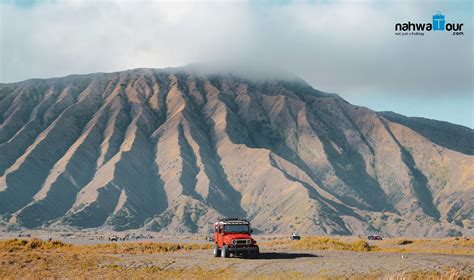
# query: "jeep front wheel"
[[255, 254], [217, 252], [225, 252]]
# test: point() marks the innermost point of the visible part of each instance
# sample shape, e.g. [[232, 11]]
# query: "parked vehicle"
[[374, 237], [114, 238], [233, 236], [295, 236]]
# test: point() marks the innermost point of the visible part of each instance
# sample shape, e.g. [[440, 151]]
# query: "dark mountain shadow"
[[349, 165], [420, 182], [261, 133], [222, 195], [452, 136], [313, 194]]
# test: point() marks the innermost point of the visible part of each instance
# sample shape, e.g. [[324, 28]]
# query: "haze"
[[345, 47]]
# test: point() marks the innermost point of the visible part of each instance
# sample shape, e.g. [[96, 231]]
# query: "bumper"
[[243, 249]]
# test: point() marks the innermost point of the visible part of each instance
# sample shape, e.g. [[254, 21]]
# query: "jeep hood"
[[237, 236]]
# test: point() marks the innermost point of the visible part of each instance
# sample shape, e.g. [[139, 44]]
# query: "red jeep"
[[232, 235]]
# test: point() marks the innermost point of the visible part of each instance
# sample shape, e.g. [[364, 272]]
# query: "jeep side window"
[[220, 228]]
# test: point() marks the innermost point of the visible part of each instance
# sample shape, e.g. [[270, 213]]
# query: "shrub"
[[404, 242], [325, 243], [28, 245], [145, 247], [360, 246]]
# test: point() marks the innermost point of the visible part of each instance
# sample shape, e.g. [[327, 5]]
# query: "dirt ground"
[[422, 259], [325, 263]]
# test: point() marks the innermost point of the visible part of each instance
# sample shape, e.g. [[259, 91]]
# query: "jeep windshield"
[[236, 228]]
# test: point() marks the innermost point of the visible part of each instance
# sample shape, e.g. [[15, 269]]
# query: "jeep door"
[[220, 232]]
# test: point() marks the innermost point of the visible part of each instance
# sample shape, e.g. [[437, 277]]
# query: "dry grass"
[[144, 248], [323, 243], [29, 245], [110, 248], [404, 242], [36, 258], [450, 274], [459, 242], [452, 246]]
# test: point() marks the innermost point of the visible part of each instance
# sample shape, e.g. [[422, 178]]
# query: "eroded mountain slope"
[[173, 149]]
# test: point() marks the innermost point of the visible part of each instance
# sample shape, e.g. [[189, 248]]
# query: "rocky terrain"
[[171, 150]]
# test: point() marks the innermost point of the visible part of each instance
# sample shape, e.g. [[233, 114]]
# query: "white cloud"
[[346, 47]]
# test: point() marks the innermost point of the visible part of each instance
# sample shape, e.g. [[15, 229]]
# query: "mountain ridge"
[[172, 149]]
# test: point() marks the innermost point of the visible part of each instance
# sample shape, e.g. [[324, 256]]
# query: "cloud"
[[346, 47]]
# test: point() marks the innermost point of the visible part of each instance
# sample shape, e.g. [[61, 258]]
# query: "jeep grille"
[[242, 241]]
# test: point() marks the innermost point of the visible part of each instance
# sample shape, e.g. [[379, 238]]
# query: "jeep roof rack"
[[233, 220]]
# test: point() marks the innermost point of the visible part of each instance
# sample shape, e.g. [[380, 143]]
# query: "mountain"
[[173, 149]]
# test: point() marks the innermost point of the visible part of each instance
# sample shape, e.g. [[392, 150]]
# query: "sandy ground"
[[326, 263], [309, 263]]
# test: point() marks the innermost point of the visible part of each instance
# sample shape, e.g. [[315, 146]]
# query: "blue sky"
[[346, 47]]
